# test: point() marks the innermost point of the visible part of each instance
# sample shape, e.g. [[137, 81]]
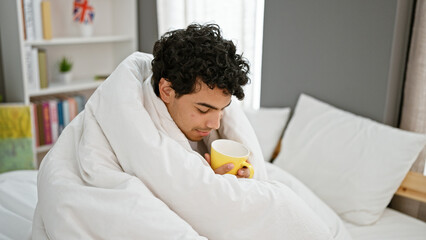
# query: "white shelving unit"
[[76, 40], [114, 38], [55, 89]]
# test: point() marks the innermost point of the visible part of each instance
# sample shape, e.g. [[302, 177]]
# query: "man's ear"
[[166, 91]]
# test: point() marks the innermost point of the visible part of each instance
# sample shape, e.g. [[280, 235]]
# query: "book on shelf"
[[35, 123], [29, 67], [65, 112], [46, 18], [16, 142], [23, 19], [32, 67], [72, 107], [29, 19], [38, 28], [40, 121], [46, 123], [61, 124], [35, 68], [42, 64], [53, 107], [81, 100]]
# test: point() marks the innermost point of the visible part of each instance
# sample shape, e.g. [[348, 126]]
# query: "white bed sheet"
[[392, 225], [18, 197]]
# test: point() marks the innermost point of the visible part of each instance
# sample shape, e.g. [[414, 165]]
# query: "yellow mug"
[[225, 151]]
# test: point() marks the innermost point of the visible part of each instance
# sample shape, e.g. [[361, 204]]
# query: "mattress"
[[393, 225], [18, 198]]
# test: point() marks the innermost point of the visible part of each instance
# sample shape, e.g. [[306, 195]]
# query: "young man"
[[195, 73], [123, 167]]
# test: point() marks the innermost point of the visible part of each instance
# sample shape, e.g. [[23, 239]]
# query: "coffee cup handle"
[[250, 167]]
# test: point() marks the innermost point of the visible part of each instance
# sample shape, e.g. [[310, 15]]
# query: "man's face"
[[198, 113]]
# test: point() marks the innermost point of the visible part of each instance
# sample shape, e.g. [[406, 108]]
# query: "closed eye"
[[201, 111]]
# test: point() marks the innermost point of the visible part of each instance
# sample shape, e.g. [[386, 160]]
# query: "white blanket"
[[123, 170]]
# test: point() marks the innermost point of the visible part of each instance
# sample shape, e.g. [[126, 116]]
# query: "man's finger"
[[207, 157], [224, 168], [243, 173]]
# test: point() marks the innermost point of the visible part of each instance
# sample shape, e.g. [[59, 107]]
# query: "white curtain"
[[240, 20], [413, 116]]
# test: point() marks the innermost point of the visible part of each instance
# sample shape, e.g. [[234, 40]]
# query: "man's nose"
[[214, 120]]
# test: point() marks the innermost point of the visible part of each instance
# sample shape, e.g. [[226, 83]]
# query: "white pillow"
[[268, 124], [353, 164]]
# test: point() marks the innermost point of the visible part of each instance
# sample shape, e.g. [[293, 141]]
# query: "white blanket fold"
[[123, 170]]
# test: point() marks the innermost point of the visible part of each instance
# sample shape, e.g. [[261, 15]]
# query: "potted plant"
[[65, 66]]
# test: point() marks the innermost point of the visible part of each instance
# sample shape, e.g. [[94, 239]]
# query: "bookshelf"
[[114, 38]]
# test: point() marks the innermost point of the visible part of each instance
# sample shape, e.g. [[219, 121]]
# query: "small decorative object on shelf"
[[65, 74], [101, 77], [83, 14]]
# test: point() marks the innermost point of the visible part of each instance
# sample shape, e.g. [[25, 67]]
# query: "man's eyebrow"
[[212, 107]]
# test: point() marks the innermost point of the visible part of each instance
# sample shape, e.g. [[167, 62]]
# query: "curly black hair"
[[199, 52]]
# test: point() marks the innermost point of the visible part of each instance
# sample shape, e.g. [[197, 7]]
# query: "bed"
[[18, 189], [391, 225]]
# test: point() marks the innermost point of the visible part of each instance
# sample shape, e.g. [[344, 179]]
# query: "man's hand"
[[242, 172]]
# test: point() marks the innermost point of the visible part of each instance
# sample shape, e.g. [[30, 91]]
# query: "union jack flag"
[[83, 12]]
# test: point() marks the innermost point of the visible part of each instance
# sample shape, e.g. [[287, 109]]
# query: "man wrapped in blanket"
[[195, 73], [135, 163]]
